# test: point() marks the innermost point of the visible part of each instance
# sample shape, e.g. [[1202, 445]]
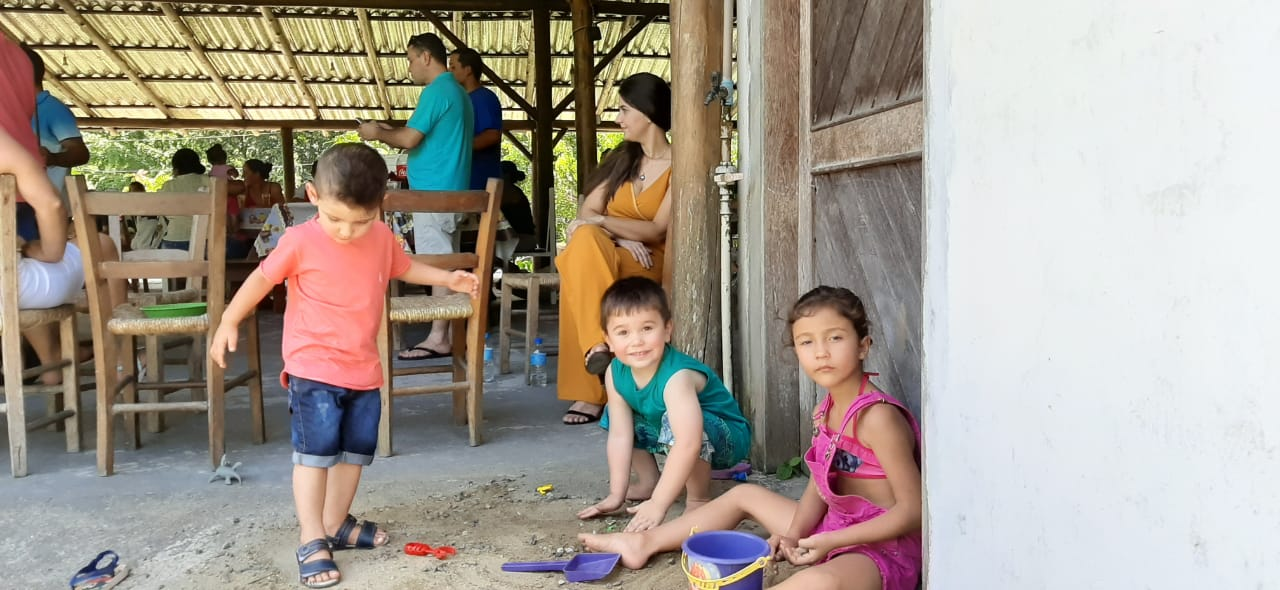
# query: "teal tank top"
[[648, 405]]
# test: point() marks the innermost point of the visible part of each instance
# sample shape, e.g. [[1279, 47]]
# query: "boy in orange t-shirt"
[[337, 266]]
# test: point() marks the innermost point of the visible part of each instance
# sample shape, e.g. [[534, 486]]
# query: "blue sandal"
[[364, 540], [308, 569], [92, 577]]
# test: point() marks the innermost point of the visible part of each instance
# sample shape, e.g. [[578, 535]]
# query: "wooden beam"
[[488, 72], [519, 145], [308, 13], [607, 59], [290, 167], [600, 55], [366, 37], [696, 37], [104, 45], [769, 117], [50, 80], [197, 50], [531, 65], [272, 125], [584, 83], [543, 145], [617, 7], [560, 133], [282, 43]]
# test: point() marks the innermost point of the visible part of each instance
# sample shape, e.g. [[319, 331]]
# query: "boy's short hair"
[[353, 173], [633, 294]]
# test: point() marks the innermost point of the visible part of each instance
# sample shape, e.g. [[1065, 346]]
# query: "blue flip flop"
[[93, 577]]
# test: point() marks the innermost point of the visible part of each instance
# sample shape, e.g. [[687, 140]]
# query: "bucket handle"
[[725, 581]]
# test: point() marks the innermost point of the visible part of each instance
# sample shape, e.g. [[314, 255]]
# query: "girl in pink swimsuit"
[[858, 523]]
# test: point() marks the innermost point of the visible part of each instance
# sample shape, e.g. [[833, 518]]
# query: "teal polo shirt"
[[442, 160]]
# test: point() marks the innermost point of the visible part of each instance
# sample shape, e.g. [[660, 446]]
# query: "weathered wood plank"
[[831, 49], [870, 58], [897, 63], [897, 132], [913, 83]]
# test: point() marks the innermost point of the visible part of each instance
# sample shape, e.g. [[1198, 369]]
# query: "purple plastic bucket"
[[725, 560]]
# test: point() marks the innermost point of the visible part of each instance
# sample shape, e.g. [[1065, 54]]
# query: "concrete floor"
[[62, 514]]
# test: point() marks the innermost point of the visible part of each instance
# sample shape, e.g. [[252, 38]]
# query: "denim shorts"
[[27, 228], [332, 425], [717, 442]]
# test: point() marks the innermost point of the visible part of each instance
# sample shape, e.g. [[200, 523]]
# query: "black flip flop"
[[598, 361], [431, 354], [589, 417]]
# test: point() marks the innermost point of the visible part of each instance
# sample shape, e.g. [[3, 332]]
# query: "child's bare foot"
[[629, 545]]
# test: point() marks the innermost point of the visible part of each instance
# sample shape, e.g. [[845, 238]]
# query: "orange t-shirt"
[[336, 297]]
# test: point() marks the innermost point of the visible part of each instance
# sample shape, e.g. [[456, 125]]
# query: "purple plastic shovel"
[[584, 567]]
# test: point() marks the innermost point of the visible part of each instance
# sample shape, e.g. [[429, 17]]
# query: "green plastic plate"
[[174, 310]]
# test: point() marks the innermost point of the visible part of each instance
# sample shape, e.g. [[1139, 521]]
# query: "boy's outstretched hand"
[[223, 340], [606, 506], [461, 281]]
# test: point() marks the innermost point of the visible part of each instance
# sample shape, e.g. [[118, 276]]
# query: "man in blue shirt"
[[486, 148], [60, 142], [438, 136]]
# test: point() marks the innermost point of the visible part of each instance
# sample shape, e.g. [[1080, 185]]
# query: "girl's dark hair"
[[837, 299], [187, 161], [650, 95], [259, 167], [215, 154]]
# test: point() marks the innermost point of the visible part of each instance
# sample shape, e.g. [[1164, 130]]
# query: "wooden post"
[[584, 87], [769, 117], [694, 257], [543, 145], [290, 167]]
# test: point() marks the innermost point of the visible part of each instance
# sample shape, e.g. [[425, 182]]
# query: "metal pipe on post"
[[584, 87]]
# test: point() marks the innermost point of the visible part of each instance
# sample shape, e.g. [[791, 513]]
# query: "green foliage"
[[118, 158], [792, 468]]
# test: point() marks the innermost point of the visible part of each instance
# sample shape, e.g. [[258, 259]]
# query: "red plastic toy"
[[442, 552]]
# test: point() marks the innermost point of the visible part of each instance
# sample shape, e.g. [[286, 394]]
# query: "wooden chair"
[[468, 315], [127, 321], [64, 406], [532, 283]]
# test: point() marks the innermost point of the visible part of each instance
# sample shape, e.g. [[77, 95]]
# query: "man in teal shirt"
[[438, 136]]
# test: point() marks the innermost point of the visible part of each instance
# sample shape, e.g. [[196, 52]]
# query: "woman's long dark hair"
[[650, 95], [187, 161], [262, 169]]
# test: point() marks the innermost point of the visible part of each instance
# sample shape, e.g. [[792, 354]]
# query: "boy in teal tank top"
[[661, 401]]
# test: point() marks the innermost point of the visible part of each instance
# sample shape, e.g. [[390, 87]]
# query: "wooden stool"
[[533, 283]]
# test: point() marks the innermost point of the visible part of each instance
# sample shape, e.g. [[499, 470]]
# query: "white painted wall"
[[1102, 294]]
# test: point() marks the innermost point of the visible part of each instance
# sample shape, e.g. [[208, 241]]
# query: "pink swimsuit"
[[832, 455]]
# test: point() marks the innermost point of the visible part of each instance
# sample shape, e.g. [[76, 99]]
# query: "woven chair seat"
[[416, 309], [144, 299], [128, 319], [523, 280], [30, 318]]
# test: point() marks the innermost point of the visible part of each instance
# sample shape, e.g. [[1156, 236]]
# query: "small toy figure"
[[226, 471]]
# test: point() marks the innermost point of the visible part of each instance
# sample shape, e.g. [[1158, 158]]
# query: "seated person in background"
[[620, 231], [258, 191], [516, 208], [661, 401], [188, 177]]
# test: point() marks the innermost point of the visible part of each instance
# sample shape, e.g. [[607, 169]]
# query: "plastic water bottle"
[[490, 367], [537, 365]]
